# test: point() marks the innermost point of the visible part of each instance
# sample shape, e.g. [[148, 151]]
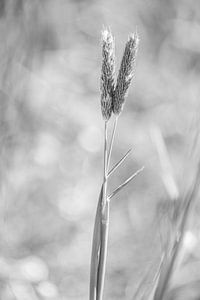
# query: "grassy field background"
[[51, 134]]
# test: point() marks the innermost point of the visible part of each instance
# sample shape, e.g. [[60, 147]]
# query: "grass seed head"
[[126, 73], [107, 73]]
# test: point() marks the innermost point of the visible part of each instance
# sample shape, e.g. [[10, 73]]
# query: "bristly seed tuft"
[[107, 73], [126, 73]]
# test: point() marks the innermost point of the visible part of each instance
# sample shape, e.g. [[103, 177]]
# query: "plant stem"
[[96, 244], [103, 251], [104, 222], [105, 165], [112, 141]]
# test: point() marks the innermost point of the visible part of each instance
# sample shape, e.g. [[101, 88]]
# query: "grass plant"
[[112, 102], [172, 243], [113, 95]]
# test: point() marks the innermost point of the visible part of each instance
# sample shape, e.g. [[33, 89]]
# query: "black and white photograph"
[[99, 150]]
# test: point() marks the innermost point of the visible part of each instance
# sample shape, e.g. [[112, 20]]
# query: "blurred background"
[[51, 134]]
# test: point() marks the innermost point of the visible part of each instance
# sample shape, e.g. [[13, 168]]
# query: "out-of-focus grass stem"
[[166, 275]]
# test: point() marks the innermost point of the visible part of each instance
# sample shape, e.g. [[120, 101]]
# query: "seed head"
[[107, 73], [126, 73]]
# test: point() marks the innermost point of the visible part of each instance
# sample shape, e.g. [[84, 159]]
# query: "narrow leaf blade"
[[116, 191], [119, 162]]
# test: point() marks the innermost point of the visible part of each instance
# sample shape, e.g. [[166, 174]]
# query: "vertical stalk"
[[105, 165], [112, 141], [104, 223], [96, 245], [103, 252]]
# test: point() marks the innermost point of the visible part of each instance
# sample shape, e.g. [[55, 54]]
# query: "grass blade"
[[155, 280], [96, 244], [119, 188], [103, 251], [141, 285], [119, 162], [104, 223], [170, 262]]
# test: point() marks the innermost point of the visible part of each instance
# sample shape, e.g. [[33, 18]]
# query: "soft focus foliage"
[[51, 144]]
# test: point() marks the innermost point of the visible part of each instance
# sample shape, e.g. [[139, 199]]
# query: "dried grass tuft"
[[107, 73], [126, 73]]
